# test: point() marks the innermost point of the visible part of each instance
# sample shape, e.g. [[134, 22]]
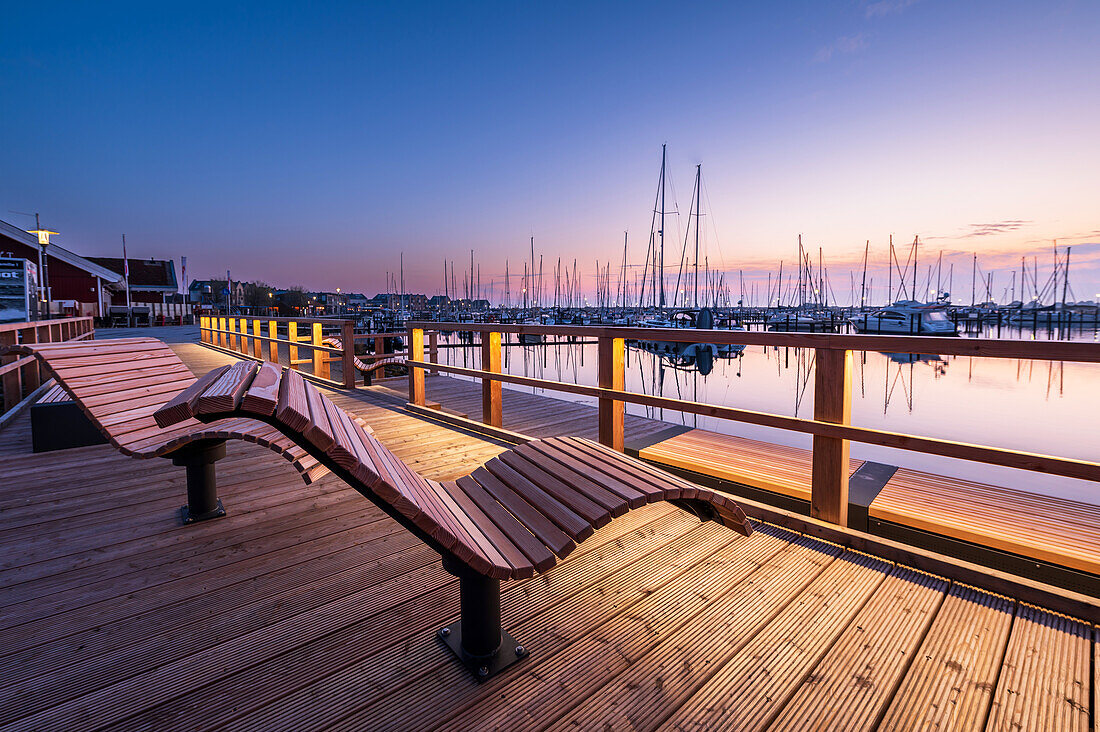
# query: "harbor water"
[[1047, 407]]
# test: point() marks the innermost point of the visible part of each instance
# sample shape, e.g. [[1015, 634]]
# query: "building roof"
[[145, 274], [61, 253]]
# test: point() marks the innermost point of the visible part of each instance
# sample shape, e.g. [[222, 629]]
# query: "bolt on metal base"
[[483, 667], [191, 518]]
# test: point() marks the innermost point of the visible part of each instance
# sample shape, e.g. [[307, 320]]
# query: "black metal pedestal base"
[[483, 668], [477, 639], [202, 481], [190, 518]]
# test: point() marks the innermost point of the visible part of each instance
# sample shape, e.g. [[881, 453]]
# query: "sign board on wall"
[[18, 290]]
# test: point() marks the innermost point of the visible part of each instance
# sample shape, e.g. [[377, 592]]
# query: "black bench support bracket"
[[477, 638], [202, 482]]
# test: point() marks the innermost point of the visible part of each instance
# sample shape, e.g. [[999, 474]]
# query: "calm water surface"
[[1035, 406]]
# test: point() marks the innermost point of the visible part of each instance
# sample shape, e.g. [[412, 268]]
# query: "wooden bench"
[[364, 368], [518, 514], [967, 519], [118, 384], [57, 423]]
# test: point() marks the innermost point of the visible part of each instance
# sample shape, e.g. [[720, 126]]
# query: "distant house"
[[394, 301], [211, 292], [77, 284], [439, 302], [151, 280]]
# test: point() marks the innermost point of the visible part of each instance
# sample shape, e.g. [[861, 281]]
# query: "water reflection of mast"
[[907, 389], [804, 368]]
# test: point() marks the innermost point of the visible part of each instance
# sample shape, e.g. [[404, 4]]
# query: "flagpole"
[[126, 272]]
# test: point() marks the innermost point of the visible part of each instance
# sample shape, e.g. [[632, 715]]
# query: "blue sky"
[[311, 143]]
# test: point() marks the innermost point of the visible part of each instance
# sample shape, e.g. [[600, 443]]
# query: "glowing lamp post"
[[43, 274]]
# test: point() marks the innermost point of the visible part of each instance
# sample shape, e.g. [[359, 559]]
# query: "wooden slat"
[[547, 532], [611, 500], [263, 393], [520, 563], [182, 406], [855, 681], [293, 409], [225, 394], [535, 550], [571, 498], [572, 524], [318, 430]]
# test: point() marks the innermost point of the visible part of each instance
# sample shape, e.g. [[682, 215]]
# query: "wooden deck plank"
[[387, 649], [655, 685], [750, 689], [950, 683], [850, 688], [555, 684], [1045, 678]]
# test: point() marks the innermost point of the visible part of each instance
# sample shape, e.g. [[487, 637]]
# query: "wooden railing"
[[260, 338], [21, 375], [830, 427]]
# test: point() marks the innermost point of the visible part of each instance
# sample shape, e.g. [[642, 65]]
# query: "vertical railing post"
[[416, 374], [611, 375], [433, 350], [244, 343], [12, 380], [492, 410], [202, 329], [273, 344], [320, 358], [32, 377], [257, 344], [292, 336], [832, 403], [232, 325], [347, 338]]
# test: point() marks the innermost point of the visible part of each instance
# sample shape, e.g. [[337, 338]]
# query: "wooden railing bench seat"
[[518, 514], [119, 384], [367, 369], [57, 423], [979, 515]]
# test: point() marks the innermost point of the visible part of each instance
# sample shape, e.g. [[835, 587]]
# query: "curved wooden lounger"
[[519, 513], [119, 383], [366, 369]]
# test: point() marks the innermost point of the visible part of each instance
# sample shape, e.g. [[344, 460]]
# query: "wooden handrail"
[[21, 375], [232, 333], [1083, 351], [830, 427]]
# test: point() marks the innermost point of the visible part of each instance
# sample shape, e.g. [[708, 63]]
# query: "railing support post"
[[832, 403], [320, 358], [433, 350], [416, 375], [257, 344], [492, 410], [611, 375], [347, 364], [273, 344], [292, 336]]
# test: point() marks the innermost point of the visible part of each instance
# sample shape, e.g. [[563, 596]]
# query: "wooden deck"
[[306, 608]]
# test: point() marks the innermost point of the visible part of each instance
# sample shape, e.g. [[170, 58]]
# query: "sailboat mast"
[[661, 231], [863, 284], [698, 204]]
